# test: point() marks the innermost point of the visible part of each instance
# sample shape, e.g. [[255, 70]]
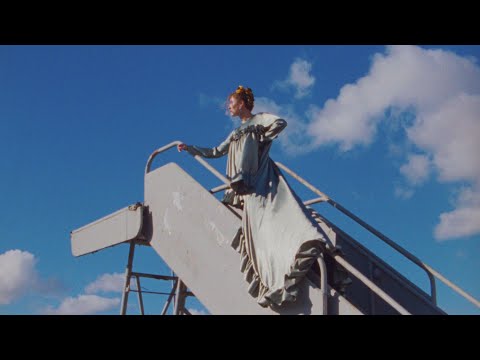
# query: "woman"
[[278, 240]]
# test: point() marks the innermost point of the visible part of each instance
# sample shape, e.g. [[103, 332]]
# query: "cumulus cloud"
[[83, 305], [441, 92], [107, 283], [293, 138], [464, 220], [299, 78], [89, 303], [17, 275], [450, 133], [417, 169], [403, 77]]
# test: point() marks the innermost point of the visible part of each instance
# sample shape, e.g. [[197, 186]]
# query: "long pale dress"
[[278, 240]]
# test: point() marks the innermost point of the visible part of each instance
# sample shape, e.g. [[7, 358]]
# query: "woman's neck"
[[245, 117]]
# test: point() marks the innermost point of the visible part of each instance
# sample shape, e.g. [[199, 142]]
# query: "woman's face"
[[234, 106]]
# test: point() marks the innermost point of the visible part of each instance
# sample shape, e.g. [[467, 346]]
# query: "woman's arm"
[[216, 152], [271, 125], [272, 131]]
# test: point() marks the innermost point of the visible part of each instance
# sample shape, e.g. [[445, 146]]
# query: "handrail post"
[[323, 284]]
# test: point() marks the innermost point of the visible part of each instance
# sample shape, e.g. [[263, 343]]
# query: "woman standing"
[[278, 240]]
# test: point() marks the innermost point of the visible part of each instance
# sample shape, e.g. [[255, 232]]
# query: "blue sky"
[[390, 132]]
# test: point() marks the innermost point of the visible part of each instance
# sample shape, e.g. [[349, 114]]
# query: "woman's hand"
[[181, 147]]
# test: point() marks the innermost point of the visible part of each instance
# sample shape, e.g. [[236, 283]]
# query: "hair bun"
[[246, 94]]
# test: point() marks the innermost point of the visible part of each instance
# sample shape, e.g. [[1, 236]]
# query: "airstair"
[[192, 231]]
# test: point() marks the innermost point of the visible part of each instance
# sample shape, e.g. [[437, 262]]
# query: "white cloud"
[[299, 78], [433, 94], [403, 193], [89, 303], [17, 275], [442, 90], [404, 77], [462, 221], [458, 223], [450, 133], [83, 305], [417, 169], [108, 283], [293, 138], [263, 104]]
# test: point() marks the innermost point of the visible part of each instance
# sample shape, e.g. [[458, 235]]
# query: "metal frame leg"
[[180, 298], [128, 276], [140, 297], [170, 297]]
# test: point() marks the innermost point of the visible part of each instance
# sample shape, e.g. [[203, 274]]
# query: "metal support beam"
[[170, 297], [180, 298], [128, 275], [153, 276], [140, 299]]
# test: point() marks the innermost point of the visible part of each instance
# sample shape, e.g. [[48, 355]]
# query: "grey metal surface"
[[403, 291], [339, 305], [192, 231], [118, 227]]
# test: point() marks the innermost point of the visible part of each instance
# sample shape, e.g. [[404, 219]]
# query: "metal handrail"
[[322, 264], [431, 273], [323, 197], [323, 284], [198, 158], [368, 227], [371, 285]]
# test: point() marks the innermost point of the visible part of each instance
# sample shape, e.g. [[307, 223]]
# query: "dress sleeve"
[[216, 152], [271, 125]]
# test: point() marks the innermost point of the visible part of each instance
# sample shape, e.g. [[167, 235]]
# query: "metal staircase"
[[192, 231]]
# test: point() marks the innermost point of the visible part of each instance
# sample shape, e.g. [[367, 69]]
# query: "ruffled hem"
[[306, 255]]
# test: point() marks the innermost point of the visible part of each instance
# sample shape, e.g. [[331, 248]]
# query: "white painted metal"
[[339, 305], [192, 231], [123, 225]]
